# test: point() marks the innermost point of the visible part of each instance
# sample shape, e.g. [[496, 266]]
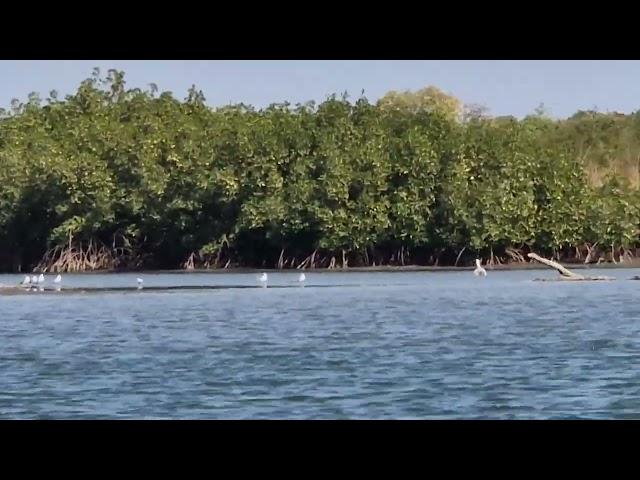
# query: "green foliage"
[[429, 99], [172, 180]]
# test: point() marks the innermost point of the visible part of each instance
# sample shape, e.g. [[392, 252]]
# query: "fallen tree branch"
[[550, 263], [565, 273]]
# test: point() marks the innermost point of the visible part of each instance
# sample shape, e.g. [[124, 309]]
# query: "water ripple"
[[427, 345]]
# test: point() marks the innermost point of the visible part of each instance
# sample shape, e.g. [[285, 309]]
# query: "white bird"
[[27, 280], [34, 283], [58, 279], [140, 282], [302, 277], [479, 270], [263, 279], [41, 278]]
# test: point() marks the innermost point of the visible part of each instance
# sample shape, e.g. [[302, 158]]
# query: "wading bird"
[[479, 270]]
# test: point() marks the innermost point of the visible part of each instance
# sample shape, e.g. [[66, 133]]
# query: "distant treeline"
[[126, 178]]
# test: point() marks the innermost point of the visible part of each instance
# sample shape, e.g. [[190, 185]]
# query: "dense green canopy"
[[123, 178]]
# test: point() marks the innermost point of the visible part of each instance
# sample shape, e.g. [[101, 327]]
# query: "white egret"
[[479, 270], [263, 279], [57, 281], [302, 277], [140, 282]]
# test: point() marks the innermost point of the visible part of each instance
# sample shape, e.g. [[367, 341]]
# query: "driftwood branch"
[[565, 273]]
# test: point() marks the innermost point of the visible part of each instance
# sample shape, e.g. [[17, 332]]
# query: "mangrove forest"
[[112, 177]]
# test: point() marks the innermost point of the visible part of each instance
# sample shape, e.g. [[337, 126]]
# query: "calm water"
[[366, 345]]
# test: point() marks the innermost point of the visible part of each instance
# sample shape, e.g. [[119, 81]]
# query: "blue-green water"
[[378, 345]]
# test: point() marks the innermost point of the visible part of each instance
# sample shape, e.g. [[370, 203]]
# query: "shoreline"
[[377, 268]]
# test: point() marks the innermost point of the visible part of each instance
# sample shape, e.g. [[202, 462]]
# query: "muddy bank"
[[634, 263]]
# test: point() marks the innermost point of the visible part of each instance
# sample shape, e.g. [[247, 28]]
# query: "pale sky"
[[507, 87]]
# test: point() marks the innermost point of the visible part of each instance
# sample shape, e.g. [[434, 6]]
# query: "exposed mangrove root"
[[280, 262], [210, 256], [493, 260], [590, 252], [626, 255], [308, 262], [438, 254], [189, 264], [515, 254], [80, 257], [578, 253]]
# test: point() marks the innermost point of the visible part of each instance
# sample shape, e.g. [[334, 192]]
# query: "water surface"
[[366, 345]]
